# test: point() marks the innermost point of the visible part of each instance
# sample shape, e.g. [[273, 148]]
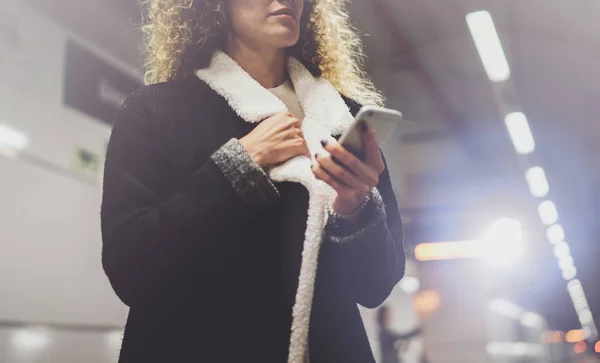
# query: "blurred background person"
[[391, 342]]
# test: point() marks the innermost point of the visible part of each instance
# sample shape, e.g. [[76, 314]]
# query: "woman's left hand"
[[351, 177]]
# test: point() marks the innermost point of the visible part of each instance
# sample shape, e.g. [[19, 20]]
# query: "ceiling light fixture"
[[520, 133], [548, 213], [488, 44], [536, 179], [555, 234]]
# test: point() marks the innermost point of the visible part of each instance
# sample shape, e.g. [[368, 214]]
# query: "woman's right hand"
[[275, 140]]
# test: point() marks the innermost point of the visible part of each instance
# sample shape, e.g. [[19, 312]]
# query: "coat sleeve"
[[149, 239], [371, 248]]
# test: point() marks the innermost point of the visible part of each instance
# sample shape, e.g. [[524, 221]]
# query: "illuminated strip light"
[[555, 234], [536, 179], [449, 250], [569, 274], [582, 307], [547, 212], [562, 250], [502, 244], [488, 44], [514, 349], [520, 133], [575, 336]]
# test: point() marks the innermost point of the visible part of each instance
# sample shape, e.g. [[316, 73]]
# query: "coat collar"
[[253, 103]]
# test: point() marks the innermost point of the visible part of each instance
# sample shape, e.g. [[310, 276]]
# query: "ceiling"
[[452, 161]]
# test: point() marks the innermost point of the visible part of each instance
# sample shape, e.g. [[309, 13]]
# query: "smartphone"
[[382, 120]]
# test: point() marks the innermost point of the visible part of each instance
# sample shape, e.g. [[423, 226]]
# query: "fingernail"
[[363, 126], [324, 142], [316, 156]]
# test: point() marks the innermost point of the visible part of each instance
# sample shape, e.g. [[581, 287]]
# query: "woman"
[[224, 185]]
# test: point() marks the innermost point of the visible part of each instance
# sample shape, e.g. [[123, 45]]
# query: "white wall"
[[50, 270]]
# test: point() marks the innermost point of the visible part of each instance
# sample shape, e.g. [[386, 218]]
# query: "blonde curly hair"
[[182, 35]]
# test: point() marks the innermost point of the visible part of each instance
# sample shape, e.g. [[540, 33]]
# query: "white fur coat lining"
[[325, 114]]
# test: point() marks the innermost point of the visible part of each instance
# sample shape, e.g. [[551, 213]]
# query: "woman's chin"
[[283, 38]]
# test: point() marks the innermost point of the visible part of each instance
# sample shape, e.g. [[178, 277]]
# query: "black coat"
[[209, 277]]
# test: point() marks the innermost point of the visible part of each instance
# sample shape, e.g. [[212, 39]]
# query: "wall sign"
[[93, 85]]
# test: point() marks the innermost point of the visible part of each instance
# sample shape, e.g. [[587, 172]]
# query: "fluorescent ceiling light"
[[562, 250], [555, 234], [536, 179], [12, 138], [488, 45], [585, 317], [577, 295], [520, 133], [548, 213], [449, 250], [569, 274], [566, 263]]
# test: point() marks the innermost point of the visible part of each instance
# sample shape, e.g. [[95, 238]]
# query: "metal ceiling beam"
[[457, 122]]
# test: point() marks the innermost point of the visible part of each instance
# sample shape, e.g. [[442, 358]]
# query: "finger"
[[288, 122], [288, 149], [340, 173], [338, 186], [373, 156], [293, 133], [301, 147], [298, 136], [364, 173], [305, 149]]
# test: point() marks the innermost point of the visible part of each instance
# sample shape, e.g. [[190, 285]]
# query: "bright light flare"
[[501, 245], [504, 242]]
